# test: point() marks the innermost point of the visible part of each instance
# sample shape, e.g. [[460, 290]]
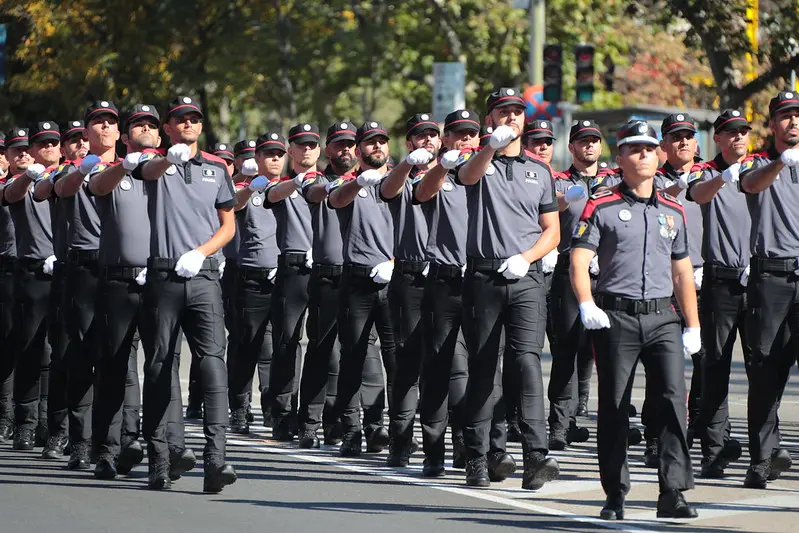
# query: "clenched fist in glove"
[[369, 178], [515, 267], [141, 279], [309, 258], [731, 174], [450, 159], [593, 266], [593, 317], [88, 163], [131, 160], [249, 167], [691, 341], [298, 179], [190, 264], [258, 184], [502, 137], [382, 273], [178, 154], [790, 157], [47, 267], [744, 279], [420, 156], [549, 261], [575, 193], [34, 171], [698, 274]]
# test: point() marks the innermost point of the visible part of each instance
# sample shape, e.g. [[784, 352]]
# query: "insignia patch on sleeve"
[[579, 229], [338, 183], [747, 165], [695, 176], [209, 172]]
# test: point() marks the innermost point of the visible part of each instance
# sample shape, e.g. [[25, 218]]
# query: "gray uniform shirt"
[[571, 215], [635, 240], [727, 224], [293, 220], [775, 217], [410, 226], [446, 217], [366, 227], [81, 210], [125, 240], [32, 229], [258, 230], [182, 204], [8, 243], [60, 211], [327, 242], [693, 214], [504, 207]]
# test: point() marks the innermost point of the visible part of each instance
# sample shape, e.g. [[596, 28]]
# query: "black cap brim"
[[343, 136], [788, 104], [45, 136], [249, 154], [141, 115], [506, 101], [17, 144], [538, 135], [463, 125], [679, 127], [271, 145], [184, 109], [587, 132], [99, 112], [371, 134], [422, 127], [72, 132], [304, 138], [731, 124]]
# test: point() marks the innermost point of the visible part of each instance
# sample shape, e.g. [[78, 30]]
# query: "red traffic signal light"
[[553, 73], [584, 62]]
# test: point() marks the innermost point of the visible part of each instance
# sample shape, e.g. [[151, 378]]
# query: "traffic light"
[[553, 73], [584, 61]]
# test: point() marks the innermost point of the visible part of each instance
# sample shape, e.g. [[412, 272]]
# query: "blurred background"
[[261, 64]]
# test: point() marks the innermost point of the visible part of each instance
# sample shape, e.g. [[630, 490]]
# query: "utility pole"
[[538, 30]]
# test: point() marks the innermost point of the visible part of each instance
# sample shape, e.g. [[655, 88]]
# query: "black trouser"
[[318, 385], [571, 346], [491, 303], [61, 351], [405, 294], [722, 318], [772, 332], [654, 338], [362, 304], [31, 298], [81, 296], [252, 304], [228, 304], [172, 302], [289, 301], [6, 337]]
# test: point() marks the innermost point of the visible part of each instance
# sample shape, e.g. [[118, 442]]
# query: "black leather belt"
[[409, 267], [291, 259], [632, 307], [444, 271], [358, 271], [78, 257], [119, 273], [776, 264], [327, 271], [476, 264], [7, 264], [163, 263], [722, 272], [32, 265], [254, 273]]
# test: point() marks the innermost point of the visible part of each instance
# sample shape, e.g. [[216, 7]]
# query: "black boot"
[[158, 474], [332, 433], [557, 438], [351, 444], [399, 453], [458, 451], [433, 468], [41, 435], [281, 431], [672, 504], [780, 462], [634, 437], [757, 475], [105, 469], [477, 472], [377, 440], [54, 449], [582, 406], [514, 432], [308, 439], [250, 417], [79, 458], [217, 476], [194, 411], [131, 453], [6, 429], [614, 507], [500, 465], [238, 422], [23, 439], [538, 470], [576, 433], [180, 462], [652, 453]]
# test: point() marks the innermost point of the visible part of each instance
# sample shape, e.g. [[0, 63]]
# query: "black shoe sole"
[[128, 458], [502, 472], [308, 444], [105, 474], [557, 445], [52, 453], [611, 514], [160, 484], [80, 465], [181, 466], [479, 483], [670, 514], [545, 474], [23, 447], [221, 481]]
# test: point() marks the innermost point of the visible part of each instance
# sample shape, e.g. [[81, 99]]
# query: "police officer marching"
[[8, 255], [639, 235]]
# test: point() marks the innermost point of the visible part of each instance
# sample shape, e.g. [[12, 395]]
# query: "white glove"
[[744, 279], [34, 171], [593, 266], [790, 157], [131, 160], [593, 317], [426, 270], [450, 159], [382, 273], [574, 193], [369, 178], [221, 268], [249, 167], [141, 279], [47, 267], [298, 179], [698, 278], [420, 156], [731, 174], [691, 341], [88, 163], [515, 267], [309, 259], [502, 136], [682, 180], [258, 184], [190, 263], [463, 271], [272, 274], [549, 261], [178, 154]]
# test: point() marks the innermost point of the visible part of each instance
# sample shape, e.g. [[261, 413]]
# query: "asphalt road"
[[281, 488]]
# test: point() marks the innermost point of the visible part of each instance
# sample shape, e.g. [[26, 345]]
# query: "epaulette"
[[602, 194], [667, 196]]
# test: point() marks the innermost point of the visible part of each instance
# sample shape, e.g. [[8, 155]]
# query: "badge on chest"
[[257, 201], [666, 223]]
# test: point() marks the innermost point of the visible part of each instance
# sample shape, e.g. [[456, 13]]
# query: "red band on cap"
[[248, 149], [742, 119], [382, 132], [415, 126], [671, 126], [72, 130], [528, 132], [192, 106], [42, 133], [447, 126], [599, 134], [513, 97], [22, 138], [223, 152], [110, 110], [340, 132], [312, 133], [272, 141]]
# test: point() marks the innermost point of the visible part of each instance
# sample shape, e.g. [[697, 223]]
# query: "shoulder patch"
[[667, 196], [601, 194], [417, 178], [337, 183], [695, 175], [579, 229], [747, 164]]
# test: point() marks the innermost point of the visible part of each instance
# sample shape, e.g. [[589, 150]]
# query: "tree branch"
[[781, 69]]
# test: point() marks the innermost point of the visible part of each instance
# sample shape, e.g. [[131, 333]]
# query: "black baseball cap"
[[140, 111], [370, 129], [341, 131], [17, 137], [100, 108], [182, 105], [461, 120], [637, 132], [784, 100], [420, 122], [730, 119], [584, 128], [538, 129], [304, 132], [504, 96], [245, 148], [485, 134], [46, 130], [270, 141], [222, 151], [72, 128], [677, 122]]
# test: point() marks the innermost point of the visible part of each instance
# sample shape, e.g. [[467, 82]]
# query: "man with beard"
[[293, 218], [423, 140], [725, 246], [513, 223], [640, 237], [367, 231], [8, 255], [30, 353], [571, 346], [770, 180]]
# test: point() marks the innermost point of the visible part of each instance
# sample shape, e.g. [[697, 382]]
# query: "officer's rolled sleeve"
[[586, 232], [696, 176], [679, 246], [549, 202], [272, 183], [748, 165], [226, 196]]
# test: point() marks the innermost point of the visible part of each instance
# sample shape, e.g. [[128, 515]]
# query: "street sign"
[[449, 88]]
